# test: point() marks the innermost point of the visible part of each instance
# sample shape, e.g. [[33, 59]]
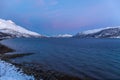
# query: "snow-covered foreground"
[[10, 72]]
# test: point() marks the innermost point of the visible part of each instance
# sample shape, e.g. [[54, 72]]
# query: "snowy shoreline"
[[10, 72]]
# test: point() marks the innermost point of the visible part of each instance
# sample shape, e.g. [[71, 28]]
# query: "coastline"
[[33, 68], [4, 49], [8, 71]]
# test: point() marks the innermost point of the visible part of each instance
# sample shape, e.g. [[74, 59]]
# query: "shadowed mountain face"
[[105, 33], [4, 35]]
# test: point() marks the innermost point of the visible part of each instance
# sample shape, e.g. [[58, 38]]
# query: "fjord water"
[[97, 58]]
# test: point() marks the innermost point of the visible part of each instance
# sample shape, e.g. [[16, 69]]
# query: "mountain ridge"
[[8, 29], [108, 32]]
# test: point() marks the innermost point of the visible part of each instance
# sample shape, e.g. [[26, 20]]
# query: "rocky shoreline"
[[4, 49], [34, 68]]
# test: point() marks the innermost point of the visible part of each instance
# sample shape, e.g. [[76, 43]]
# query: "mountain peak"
[[9, 27]]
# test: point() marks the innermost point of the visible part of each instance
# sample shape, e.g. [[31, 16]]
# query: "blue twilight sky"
[[52, 17]]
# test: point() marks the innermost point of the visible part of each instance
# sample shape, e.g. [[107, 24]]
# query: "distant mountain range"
[[109, 32], [8, 29], [63, 36]]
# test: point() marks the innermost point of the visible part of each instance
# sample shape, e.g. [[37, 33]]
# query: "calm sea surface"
[[98, 58]]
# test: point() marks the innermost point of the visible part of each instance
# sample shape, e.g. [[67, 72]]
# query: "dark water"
[[98, 58]]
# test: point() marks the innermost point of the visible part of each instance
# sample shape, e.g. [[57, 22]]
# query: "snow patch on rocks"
[[10, 72]]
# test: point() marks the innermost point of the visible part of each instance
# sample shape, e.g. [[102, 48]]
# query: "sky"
[[53, 17]]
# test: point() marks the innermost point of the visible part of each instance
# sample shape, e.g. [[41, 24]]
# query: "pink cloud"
[[53, 2], [46, 3], [40, 3], [90, 16]]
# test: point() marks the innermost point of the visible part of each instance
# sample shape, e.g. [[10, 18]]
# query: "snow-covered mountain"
[[109, 32], [63, 36], [9, 29]]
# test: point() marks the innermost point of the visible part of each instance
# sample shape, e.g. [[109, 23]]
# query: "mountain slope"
[[10, 29], [109, 32]]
